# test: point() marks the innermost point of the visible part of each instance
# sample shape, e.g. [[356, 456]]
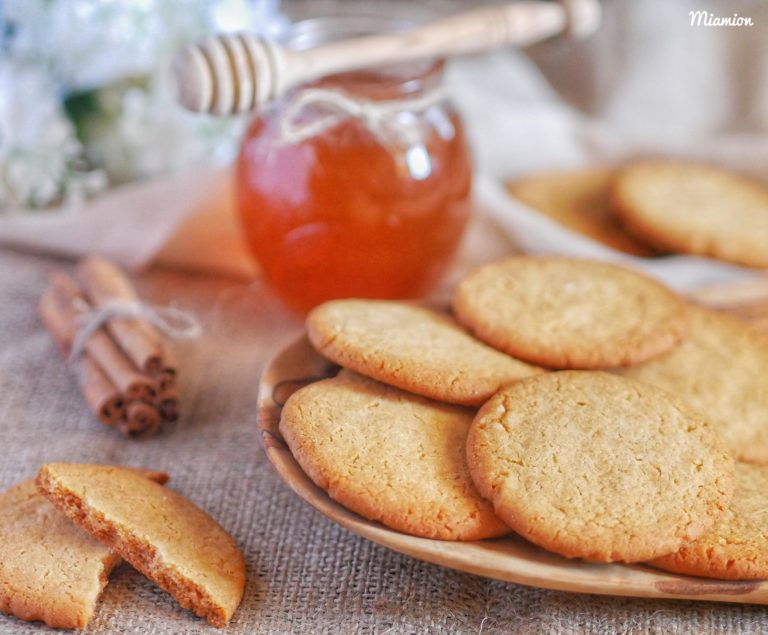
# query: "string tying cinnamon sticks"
[[170, 320], [101, 395], [70, 305], [134, 325], [117, 345]]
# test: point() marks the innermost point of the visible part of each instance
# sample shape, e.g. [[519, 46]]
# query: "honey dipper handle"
[[483, 29], [238, 73]]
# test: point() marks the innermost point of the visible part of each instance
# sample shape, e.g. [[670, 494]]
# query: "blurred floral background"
[[86, 101], [85, 93]]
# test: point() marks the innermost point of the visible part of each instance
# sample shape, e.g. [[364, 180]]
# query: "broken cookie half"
[[161, 533], [51, 570]]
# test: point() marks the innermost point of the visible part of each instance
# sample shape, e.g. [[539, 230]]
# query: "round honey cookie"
[[694, 209], [720, 371], [579, 200], [737, 547], [413, 348], [593, 466], [389, 456], [570, 313]]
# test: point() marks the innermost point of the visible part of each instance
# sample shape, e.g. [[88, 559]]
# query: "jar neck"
[[386, 84], [401, 81]]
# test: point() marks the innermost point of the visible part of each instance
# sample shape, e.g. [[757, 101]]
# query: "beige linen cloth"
[[305, 574]]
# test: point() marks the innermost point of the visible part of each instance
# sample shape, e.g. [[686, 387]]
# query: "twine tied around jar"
[[381, 118]]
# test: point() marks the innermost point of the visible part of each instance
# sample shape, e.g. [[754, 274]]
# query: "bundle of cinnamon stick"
[[125, 370]]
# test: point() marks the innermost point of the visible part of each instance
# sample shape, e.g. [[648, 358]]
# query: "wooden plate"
[[511, 558]]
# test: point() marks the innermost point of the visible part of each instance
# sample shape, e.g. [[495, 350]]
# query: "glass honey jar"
[[357, 185]]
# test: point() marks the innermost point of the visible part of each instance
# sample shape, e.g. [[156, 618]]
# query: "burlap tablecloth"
[[305, 574]]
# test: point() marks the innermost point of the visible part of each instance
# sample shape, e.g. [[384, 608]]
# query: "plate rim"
[[615, 579]]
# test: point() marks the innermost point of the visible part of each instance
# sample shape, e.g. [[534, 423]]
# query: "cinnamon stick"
[[165, 381], [105, 284], [167, 403], [70, 303], [101, 395], [170, 364], [141, 419]]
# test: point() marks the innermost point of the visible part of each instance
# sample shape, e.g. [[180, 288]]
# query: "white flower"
[[113, 56], [40, 158], [85, 44]]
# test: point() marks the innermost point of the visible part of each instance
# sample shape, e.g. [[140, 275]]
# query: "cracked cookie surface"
[[720, 371], [413, 348], [50, 569], [737, 547], [570, 313], [389, 456], [161, 533], [694, 209], [593, 466]]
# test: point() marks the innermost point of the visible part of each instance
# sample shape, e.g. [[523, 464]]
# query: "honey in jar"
[[348, 209]]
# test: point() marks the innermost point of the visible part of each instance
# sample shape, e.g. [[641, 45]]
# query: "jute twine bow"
[[382, 118], [170, 321]]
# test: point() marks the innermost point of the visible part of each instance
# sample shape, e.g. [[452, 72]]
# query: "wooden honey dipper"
[[236, 73]]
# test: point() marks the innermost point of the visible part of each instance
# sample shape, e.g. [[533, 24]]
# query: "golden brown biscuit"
[[50, 570], [569, 313], [594, 466], [412, 348], [721, 371], [581, 201], [694, 209], [161, 533], [737, 547], [389, 456]]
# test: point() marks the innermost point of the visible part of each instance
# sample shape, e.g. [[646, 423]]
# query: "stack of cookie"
[[62, 534], [580, 404], [658, 206]]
